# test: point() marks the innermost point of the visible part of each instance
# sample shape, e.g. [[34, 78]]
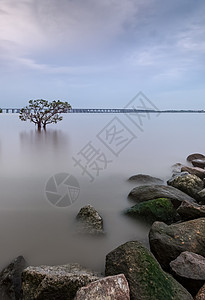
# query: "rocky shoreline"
[[173, 268]]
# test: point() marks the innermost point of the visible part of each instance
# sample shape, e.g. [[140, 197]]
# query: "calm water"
[[113, 148]]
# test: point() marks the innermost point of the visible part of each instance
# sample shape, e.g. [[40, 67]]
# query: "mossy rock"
[[160, 209], [145, 276]]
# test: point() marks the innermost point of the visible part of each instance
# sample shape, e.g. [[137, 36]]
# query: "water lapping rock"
[[150, 192], [89, 221], [10, 279]]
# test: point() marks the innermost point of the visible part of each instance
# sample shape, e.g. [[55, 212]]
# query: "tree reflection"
[[45, 142]]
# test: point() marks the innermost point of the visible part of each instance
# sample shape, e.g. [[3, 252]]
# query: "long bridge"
[[111, 110], [86, 110]]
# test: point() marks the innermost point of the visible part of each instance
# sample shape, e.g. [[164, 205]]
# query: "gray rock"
[[150, 192], [167, 242], [145, 277], [201, 195], [176, 168], [10, 279], [194, 171], [189, 184], [89, 221], [55, 282], [201, 293], [190, 211], [195, 156], [143, 179], [198, 163], [189, 269], [110, 288]]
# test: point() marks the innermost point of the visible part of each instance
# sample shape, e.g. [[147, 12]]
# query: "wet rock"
[[150, 192], [89, 221], [167, 242], [142, 179], [176, 168], [189, 184], [111, 287], [55, 282], [160, 209], [201, 293], [195, 156], [10, 279], [201, 195], [189, 269], [145, 277], [198, 163], [190, 211], [194, 171]]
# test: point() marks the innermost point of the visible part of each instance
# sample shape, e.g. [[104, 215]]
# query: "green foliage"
[[0, 110], [41, 112]]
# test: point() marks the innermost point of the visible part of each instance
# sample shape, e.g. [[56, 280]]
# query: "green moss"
[[160, 209], [157, 284]]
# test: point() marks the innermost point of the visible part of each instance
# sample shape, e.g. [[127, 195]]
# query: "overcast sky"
[[101, 53]]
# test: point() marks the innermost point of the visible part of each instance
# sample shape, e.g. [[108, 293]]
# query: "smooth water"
[[107, 150]]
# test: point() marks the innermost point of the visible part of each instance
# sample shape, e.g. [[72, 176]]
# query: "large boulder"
[[189, 269], [111, 287], [150, 192], [167, 242], [195, 156], [145, 277], [190, 211], [189, 184], [55, 282], [142, 179], [201, 293], [89, 221], [194, 171], [200, 163], [160, 209], [10, 279]]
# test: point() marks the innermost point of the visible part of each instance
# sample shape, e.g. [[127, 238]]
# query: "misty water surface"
[[45, 234]]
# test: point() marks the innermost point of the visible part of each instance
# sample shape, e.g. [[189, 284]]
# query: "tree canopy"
[[42, 112]]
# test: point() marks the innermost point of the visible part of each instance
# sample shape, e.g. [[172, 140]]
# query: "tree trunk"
[[44, 126], [39, 126]]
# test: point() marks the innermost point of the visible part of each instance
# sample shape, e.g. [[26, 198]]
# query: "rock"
[[189, 184], [198, 163], [190, 211], [201, 195], [55, 282], [10, 279], [142, 179], [167, 242], [201, 293], [194, 171], [176, 168], [195, 156], [150, 192], [160, 209], [111, 287], [145, 277], [89, 221], [189, 269]]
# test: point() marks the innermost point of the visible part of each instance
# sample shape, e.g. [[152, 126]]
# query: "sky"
[[101, 53]]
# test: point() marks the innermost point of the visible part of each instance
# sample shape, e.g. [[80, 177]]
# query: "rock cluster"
[[173, 268]]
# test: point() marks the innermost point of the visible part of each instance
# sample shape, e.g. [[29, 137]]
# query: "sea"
[[87, 158]]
